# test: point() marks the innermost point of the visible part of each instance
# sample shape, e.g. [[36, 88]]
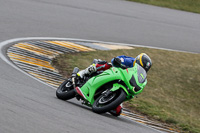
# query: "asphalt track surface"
[[27, 105], [112, 21]]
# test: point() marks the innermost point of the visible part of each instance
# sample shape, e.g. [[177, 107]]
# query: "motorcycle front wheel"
[[65, 91], [105, 103]]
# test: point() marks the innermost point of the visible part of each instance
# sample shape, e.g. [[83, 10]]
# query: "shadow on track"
[[107, 115]]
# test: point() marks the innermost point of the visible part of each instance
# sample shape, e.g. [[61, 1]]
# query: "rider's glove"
[[91, 69], [116, 62]]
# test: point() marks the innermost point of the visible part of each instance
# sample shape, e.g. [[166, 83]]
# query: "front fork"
[[74, 73]]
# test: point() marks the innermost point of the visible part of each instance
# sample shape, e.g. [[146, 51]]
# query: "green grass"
[[185, 5], [173, 88]]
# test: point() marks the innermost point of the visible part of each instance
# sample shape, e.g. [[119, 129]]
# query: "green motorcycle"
[[104, 91]]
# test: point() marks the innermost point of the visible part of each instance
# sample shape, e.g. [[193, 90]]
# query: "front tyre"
[[106, 103], [65, 91]]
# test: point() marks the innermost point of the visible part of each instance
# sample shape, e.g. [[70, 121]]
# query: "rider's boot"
[[89, 70], [81, 73]]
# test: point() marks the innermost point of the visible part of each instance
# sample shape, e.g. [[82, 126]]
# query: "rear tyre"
[[106, 103], [65, 91]]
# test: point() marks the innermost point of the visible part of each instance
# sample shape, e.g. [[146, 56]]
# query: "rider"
[[120, 61]]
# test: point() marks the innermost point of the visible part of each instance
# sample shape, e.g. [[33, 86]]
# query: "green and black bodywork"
[[107, 90]]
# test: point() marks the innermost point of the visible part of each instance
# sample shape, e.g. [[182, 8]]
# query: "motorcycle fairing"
[[113, 74]]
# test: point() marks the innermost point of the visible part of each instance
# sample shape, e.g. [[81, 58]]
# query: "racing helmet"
[[144, 61]]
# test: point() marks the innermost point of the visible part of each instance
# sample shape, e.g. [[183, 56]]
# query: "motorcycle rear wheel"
[[65, 91], [106, 103]]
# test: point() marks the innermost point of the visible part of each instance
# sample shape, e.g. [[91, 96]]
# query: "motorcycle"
[[104, 91]]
